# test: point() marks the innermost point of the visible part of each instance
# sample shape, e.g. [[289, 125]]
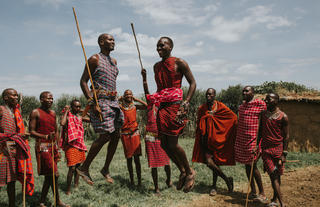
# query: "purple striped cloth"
[[104, 78]]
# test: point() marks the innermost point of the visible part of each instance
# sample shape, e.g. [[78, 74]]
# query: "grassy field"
[[121, 194]]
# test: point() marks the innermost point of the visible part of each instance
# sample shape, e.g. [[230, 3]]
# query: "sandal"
[[252, 196], [106, 175], [230, 184], [213, 192], [272, 204], [85, 176], [182, 180], [261, 199], [190, 180]]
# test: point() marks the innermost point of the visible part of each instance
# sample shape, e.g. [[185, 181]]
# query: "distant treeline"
[[231, 97]]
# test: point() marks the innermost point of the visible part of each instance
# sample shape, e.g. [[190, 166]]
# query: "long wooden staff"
[[251, 172], [88, 69], [24, 183], [135, 38], [53, 175]]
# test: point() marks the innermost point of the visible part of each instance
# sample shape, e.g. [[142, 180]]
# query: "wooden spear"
[[53, 175], [87, 65], [135, 38]]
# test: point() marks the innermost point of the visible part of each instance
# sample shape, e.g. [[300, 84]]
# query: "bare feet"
[[169, 183], [68, 192], [107, 176], [157, 192], [182, 179], [213, 192], [42, 205], [85, 175], [190, 180], [230, 184], [61, 204]]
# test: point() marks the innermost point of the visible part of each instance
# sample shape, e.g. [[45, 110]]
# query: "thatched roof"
[[310, 97]]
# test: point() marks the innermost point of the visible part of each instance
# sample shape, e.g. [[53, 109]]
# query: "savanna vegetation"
[[120, 193]]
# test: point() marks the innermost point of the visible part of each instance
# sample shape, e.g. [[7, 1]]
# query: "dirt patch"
[[300, 187]]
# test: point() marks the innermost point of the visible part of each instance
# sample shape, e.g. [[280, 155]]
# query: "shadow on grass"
[[239, 198]]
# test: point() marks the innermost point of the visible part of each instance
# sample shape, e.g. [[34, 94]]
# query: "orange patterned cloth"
[[74, 156], [130, 136]]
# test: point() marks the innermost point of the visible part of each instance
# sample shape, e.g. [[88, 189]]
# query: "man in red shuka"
[[215, 136], [171, 117], [274, 144], [43, 127]]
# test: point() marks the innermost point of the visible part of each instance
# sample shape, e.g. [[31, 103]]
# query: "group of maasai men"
[[222, 137]]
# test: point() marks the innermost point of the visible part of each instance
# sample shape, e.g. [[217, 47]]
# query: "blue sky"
[[224, 42]]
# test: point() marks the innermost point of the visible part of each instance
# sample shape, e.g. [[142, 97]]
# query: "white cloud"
[[54, 3], [124, 77], [232, 30], [172, 12], [299, 62], [34, 84], [125, 43], [249, 69], [216, 66]]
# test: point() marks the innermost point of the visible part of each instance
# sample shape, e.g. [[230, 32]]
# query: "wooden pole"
[[24, 183], [87, 65], [250, 179], [135, 38], [53, 176]]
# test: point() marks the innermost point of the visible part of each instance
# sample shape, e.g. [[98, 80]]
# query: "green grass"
[[120, 194]]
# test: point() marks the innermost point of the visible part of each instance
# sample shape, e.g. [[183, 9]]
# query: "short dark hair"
[[169, 39], [251, 87], [214, 90], [102, 37], [276, 95], [126, 91], [42, 94], [73, 101], [5, 92]]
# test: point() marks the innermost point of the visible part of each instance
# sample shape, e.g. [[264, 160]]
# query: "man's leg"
[[167, 169], [154, 173], [217, 171], [252, 184], [173, 157], [180, 154], [94, 150], [138, 168], [258, 179], [112, 147], [69, 178], [76, 177], [11, 191], [130, 170], [275, 181], [59, 202], [45, 188]]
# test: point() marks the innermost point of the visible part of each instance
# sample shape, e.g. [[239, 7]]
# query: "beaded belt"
[[151, 137], [45, 147]]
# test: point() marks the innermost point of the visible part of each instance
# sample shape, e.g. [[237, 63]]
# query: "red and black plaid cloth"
[[248, 124], [8, 164], [272, 143]]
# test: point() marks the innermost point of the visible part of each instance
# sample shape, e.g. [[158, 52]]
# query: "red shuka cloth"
[[21, 167], [220, 127], [45, 125], [167, 77], [130, 136], [272, 142]]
